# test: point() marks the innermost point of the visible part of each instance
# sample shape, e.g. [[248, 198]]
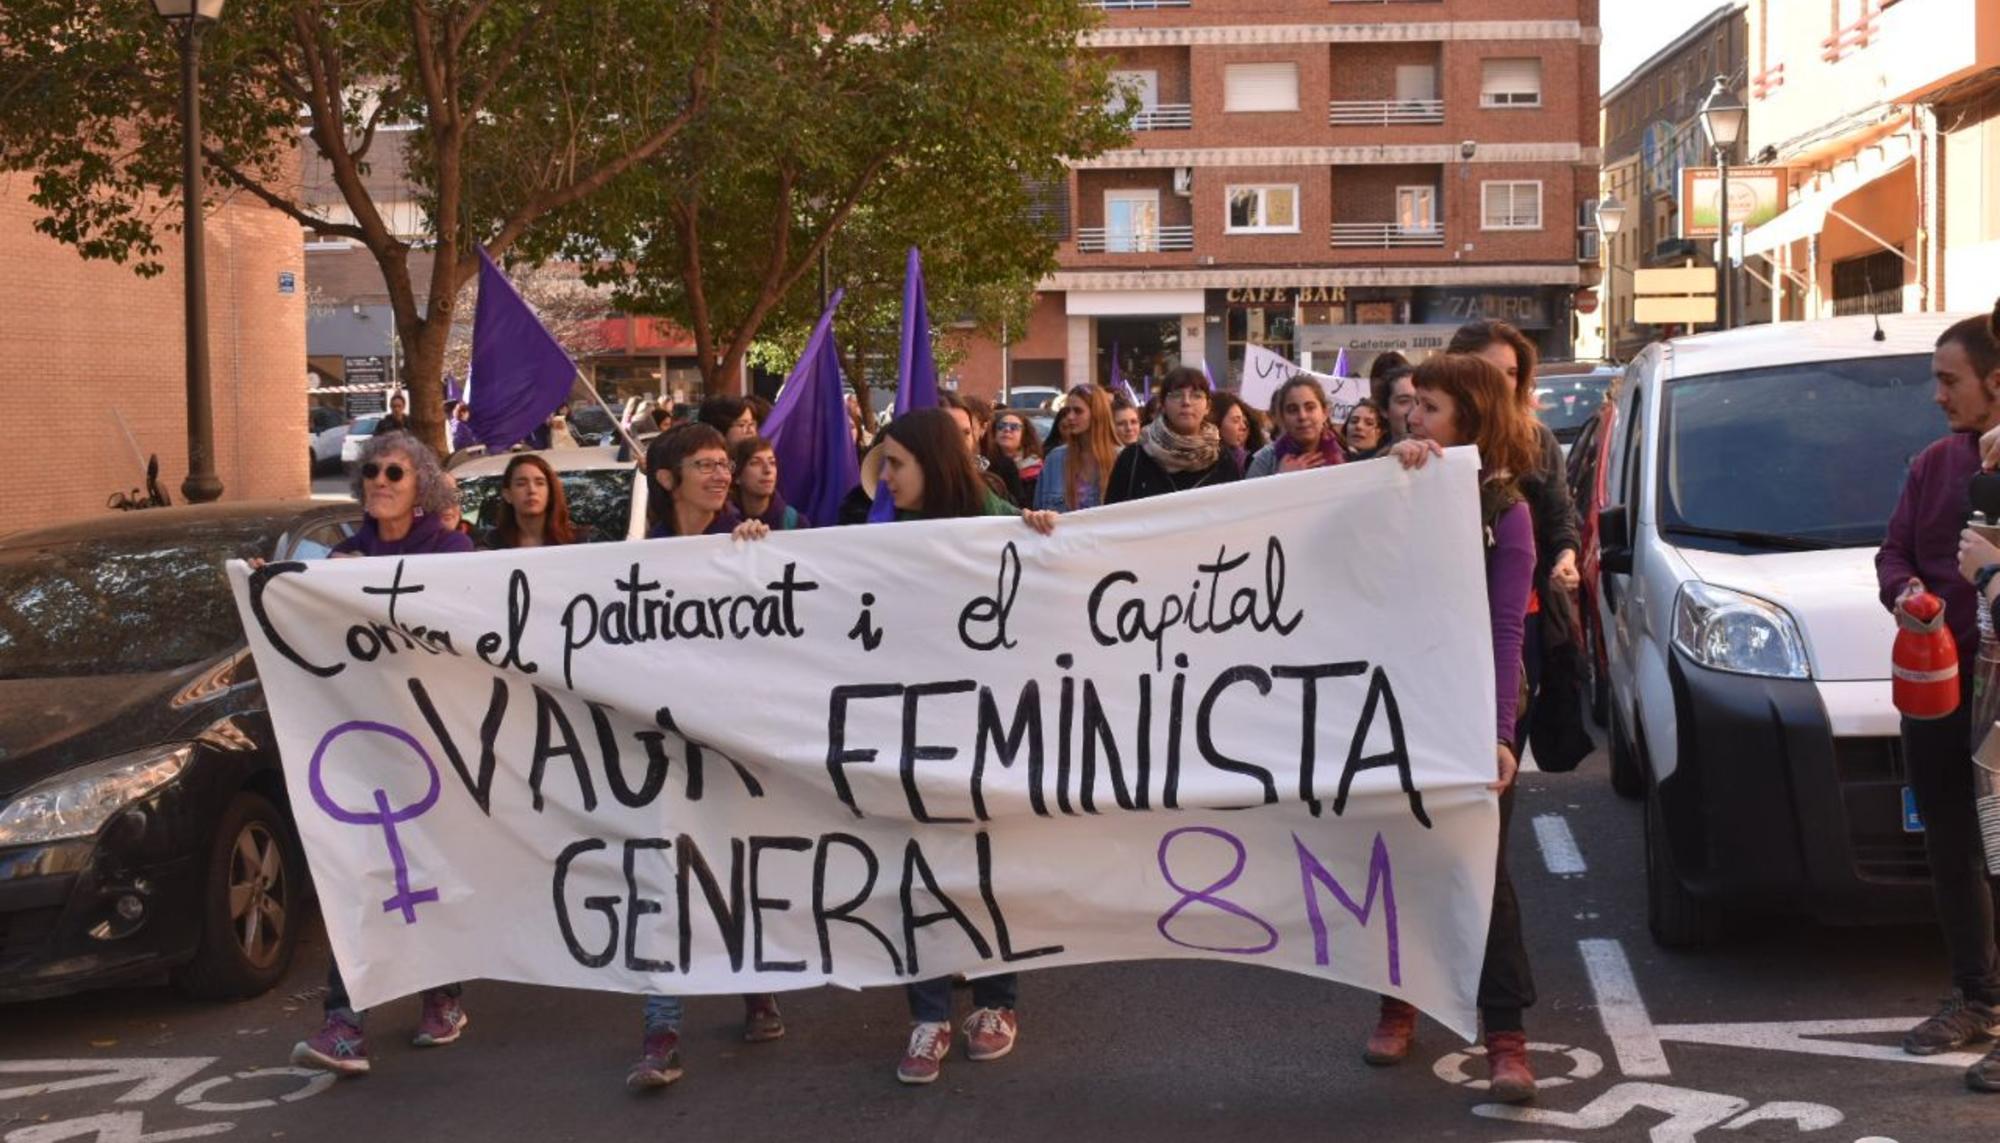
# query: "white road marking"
[[1622, 1010], [111, 1127], [150, 1078], [1558, 845], [1807, 1038], [1689, 1112], [1584, 1064], [196, 1097]]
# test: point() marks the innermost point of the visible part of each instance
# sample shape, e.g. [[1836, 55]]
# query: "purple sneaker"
[[762, 1021], [337, 1047], [443, 1021], [659, 1061]]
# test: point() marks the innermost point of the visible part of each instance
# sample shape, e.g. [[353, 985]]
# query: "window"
[[1272, 209], [1131, 221], [1510, 83], [1416, 208], [1416, 82], [1511, 206], [1260, 87], [1136, 90]]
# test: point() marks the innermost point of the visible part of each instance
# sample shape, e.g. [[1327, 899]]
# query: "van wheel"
[[1628, 780], [251, 904], [1677, 918]]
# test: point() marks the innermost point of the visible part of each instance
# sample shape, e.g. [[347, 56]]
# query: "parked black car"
[[144, 829]]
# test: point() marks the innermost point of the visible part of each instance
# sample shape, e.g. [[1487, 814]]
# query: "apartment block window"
[[1510, 206], [1510, 83], [1134, 90], [1416, 82], [1131, 221], [1260, 87], [1416, 208], [1264, 210]]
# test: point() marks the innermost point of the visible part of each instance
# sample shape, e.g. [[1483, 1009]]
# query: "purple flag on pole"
[[1117, 373], [916, 368], [524, 374], [1210, 377], [808, 428], [1340, 362], [1125, 388]]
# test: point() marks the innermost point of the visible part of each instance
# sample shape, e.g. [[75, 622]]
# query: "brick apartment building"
[[94, 369], [1309, 175]]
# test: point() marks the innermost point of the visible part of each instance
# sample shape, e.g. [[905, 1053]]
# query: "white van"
[[1749, 479]]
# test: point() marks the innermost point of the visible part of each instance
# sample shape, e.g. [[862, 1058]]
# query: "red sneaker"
[[929, 1043], [990, 1033], [1507, 1064], [761, 1019], [1394, 1029]]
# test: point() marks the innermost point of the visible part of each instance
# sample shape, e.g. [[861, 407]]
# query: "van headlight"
[[78, 803], [1726, 630]]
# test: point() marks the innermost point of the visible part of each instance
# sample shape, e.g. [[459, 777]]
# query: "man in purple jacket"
[[1920, 551]]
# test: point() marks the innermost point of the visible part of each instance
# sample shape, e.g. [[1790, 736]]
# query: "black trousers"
[[1937, 754], [1506, 983]]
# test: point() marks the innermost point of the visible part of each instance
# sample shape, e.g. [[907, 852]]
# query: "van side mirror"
[[1614, 540]]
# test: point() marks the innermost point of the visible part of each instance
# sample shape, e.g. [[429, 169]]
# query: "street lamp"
[[188, 19], [1610, 218], [1722, 118]]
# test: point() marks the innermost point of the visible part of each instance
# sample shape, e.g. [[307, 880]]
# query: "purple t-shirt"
[[1510, 573], [1922, 537], [426, 536]]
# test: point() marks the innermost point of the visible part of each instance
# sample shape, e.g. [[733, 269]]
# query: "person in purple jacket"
[[1921, 552], [403, 494], [1466, 400]]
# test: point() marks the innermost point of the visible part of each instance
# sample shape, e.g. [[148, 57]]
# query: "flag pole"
[[624, 434]]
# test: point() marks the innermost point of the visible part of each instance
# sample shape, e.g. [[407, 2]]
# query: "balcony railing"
[[1136, 5], [1164, 117], [1097, 240], [1384, 112], [1385, 235]]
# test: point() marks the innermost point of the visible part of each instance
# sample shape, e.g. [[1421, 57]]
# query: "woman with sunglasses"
[[404, 494], [1179, 450], [1074, 472], [534, 511], [1463, 399], [1012, 437]]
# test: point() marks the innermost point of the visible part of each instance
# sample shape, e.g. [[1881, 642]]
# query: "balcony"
[[1098, 240], [1385, 235], [1164, 117], [1140, 5], [1384, 112]]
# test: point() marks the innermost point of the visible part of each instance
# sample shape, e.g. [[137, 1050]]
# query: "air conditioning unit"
[[1184, 181]]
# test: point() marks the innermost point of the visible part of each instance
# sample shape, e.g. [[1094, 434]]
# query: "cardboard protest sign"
[[1265, 372], [1251, 723]]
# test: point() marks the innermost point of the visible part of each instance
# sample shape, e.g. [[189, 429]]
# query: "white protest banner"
[[1251, 723], [1265, 372]]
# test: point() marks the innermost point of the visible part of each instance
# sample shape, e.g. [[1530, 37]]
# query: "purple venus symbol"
[[384, 814]]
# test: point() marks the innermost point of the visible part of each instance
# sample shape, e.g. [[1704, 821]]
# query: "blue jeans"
[[663, 1013], [930, 1000], [337, 1003]]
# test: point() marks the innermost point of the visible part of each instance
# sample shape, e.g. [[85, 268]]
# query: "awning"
[[1807, 216]]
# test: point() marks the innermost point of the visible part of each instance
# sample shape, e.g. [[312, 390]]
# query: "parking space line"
[[1558, 845], [1621, 1009]]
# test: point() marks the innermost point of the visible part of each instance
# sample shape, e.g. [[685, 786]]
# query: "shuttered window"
[[1510, 206], [1510, 83], [1260, 87]]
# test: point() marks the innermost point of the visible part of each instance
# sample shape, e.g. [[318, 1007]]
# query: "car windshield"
[[1794, 456], [600, 501], [129, 605], [1566, 404], [365, 427]]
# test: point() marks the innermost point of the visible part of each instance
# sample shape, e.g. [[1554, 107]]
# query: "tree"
[[572, 310], [522, 110], [870, 125]]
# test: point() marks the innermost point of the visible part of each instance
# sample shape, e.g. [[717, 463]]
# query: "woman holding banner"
[[1466, 400], [930, 476], [1074, 472], [403, 493], [1179, 450], [1308, 440]]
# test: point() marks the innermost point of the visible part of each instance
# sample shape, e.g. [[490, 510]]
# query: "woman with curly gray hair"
[[404, 492]]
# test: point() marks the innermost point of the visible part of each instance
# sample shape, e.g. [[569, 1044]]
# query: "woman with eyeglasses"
[[404, 494], [1014, 438], [1180, 450], [1074, 473], [756, 493]]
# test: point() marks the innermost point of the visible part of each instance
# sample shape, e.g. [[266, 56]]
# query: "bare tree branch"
[[280, 203]]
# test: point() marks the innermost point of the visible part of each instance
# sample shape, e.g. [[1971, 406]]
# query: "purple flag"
[[1117, 373], [1125, 388], [1340, 362], [524, 374], [1206, 374], [916, 368], [808, 428]]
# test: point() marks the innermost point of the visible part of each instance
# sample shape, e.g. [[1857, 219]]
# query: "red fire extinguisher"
[[1925, 660]]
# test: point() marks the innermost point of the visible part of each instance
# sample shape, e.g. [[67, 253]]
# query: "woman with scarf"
[[1180, 450], [1074, 473], [1465, 400], [756, 494], [1308, 441], [1013, 436]]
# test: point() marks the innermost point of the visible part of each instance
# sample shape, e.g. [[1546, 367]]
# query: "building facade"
[[1885, 115], [1311, 176], [96, 363]]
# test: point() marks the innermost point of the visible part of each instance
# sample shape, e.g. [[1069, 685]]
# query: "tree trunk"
[[423, 370]]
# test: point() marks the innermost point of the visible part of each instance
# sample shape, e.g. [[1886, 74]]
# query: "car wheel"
[[1628, 780], [1677, 918], [251, 904]]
